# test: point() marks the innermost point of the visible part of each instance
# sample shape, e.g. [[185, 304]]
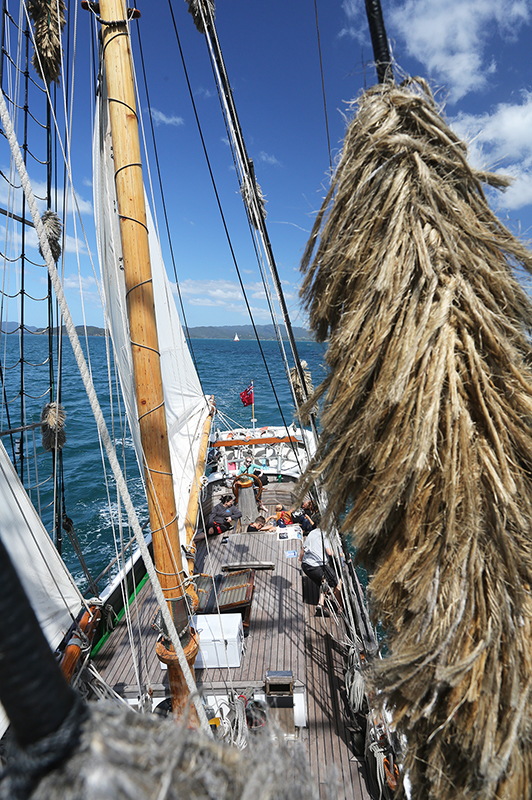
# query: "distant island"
[[14, 327], [244, 332]]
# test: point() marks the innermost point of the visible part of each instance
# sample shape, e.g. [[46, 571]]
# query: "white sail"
[[185, 404], [51, 590]]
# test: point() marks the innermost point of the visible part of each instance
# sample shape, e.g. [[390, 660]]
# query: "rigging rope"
[[222, 215], [167, 224], [89, 386], [250, 191], [22, 83]]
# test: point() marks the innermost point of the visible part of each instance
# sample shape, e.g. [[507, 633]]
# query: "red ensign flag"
[[247, 395]]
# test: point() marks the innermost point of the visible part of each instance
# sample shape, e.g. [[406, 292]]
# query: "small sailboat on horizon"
[[237, 338]]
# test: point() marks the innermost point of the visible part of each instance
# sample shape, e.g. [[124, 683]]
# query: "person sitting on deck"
[[282, 516], [317, 564], [300, 517], [311, 510], [259, 525], [223, 515]]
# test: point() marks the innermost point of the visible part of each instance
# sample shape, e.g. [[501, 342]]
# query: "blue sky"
[[476, 54]]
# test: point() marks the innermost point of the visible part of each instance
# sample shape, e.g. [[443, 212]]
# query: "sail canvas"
[[185, 404]]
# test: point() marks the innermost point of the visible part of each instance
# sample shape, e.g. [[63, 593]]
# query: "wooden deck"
[[284, 634]]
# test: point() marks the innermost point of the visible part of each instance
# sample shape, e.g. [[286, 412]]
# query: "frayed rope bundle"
[[302, 393], [48, 18], [126, 756], [53, 426], [427, 436], [200, 10]]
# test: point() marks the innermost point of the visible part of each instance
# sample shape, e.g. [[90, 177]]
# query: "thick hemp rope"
[[427, 436], [126, 756]]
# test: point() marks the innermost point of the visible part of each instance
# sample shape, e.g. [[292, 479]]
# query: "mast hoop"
[[144, 346], [136, 286], [171, 588], [132, 219], [160, 472], [163, 527], [133, 111], [112, 38], [112, 23], [133, 163], [150, 411]]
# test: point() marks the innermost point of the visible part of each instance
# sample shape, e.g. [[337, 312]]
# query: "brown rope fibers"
[[48, 18], [427, 436]]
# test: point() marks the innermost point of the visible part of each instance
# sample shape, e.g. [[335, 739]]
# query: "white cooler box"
[[215, 632]]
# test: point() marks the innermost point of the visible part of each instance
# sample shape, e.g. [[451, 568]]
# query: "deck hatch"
[[279, 682]]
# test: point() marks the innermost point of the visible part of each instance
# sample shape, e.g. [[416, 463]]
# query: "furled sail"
[[50, 588], [185, 404]]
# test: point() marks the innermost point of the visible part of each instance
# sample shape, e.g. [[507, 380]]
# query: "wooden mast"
[[144, 341]]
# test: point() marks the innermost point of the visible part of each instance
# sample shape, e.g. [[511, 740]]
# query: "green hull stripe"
[[120, 614]]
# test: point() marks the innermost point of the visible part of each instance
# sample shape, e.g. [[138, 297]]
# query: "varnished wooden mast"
[[144, 341]]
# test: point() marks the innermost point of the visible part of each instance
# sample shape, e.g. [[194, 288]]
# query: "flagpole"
[[253, 420]]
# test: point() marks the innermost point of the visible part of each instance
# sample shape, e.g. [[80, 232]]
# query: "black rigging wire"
[[23, 254], [379, 41], [215, 53], [251, 224], [167, 224], [323, 86], [246, 205], [223, 216]]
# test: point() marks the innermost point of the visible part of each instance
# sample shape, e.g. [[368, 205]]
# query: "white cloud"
[[87, 282], [13, 198], [259, 313], [267, 159], [357, 26], [519, 194], [448, 37], [224, 294], [501, 141], [83, 206], [162, 119], [202, 92], [13, 239], [505, 132]]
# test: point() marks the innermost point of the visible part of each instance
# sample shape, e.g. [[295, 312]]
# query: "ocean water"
[[225, 368]]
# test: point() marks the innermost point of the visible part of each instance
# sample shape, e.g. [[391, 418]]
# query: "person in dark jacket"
[[259, 525], [223, 515]]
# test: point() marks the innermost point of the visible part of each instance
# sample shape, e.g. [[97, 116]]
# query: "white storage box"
[[221, 640]]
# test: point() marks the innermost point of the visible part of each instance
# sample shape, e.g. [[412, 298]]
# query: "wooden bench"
[[233, 590]]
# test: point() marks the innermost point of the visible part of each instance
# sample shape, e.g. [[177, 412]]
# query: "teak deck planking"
[[284, 634]]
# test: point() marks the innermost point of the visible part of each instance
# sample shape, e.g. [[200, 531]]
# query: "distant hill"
[[246, 332], [11, 327], [92, 330], [265, 332]]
